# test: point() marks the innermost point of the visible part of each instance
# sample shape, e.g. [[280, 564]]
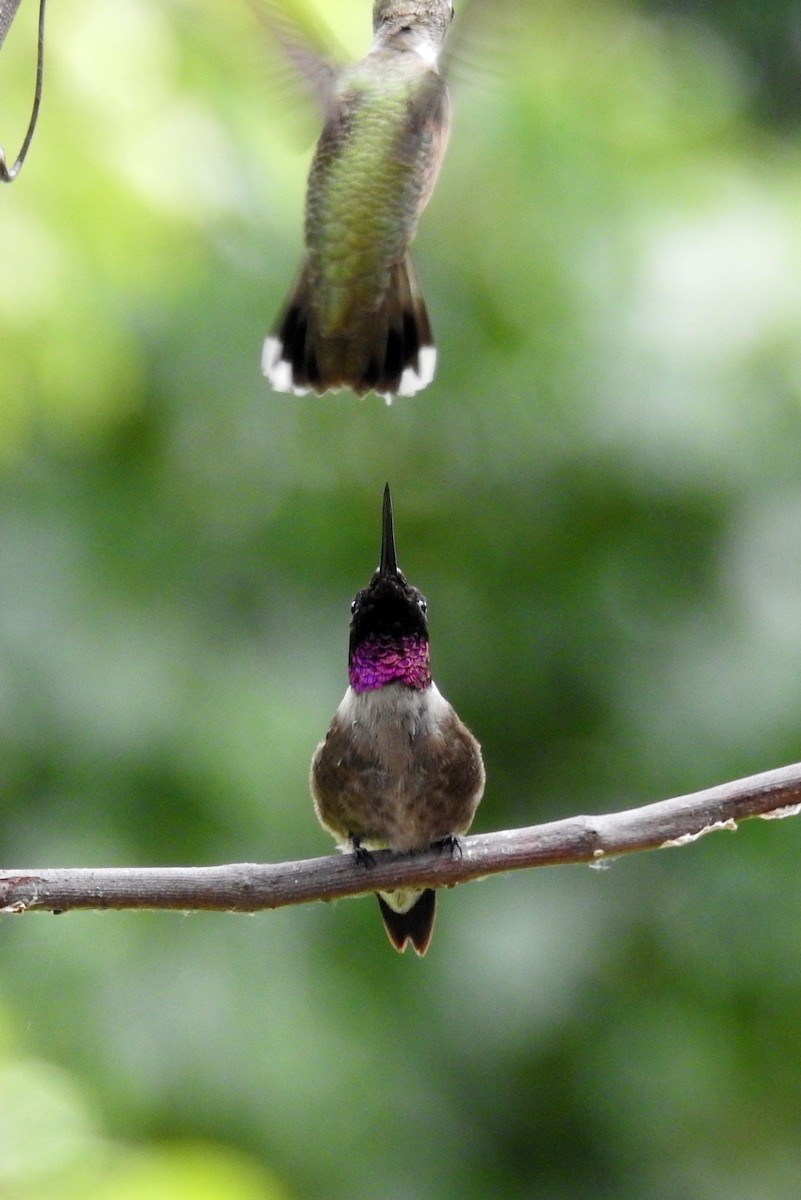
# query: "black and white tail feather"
[[389, 351], [414, 925]]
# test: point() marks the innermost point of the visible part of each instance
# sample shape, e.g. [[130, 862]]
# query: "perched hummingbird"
[[397, 770], [356, 317]]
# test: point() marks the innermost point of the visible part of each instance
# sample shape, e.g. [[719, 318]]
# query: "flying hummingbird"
[[397, 770], [355, 317]]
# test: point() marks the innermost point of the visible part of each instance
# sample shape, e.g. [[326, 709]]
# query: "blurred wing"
[[309, 52], [481, 37], [8, 9]]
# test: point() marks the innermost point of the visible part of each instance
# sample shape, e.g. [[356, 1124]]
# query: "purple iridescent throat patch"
[[377, 663]]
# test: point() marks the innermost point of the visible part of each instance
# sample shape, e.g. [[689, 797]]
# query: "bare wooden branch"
[[250, 887]]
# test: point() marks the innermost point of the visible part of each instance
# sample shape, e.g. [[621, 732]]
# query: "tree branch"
[[250, 887]]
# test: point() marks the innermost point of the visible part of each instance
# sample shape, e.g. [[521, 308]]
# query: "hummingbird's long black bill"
[[389, 564]]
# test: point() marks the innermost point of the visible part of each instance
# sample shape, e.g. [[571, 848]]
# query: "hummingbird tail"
[[415, 925], [389, 350]]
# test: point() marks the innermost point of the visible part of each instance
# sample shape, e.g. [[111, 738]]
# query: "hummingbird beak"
[[388, 568]]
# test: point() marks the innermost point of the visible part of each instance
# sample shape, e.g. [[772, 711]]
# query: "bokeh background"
[[600, 495]]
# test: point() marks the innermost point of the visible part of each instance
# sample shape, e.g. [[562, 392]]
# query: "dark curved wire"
[[9, 173]]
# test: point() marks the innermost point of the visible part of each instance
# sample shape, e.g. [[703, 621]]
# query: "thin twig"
[[249, 887], [7, 10]]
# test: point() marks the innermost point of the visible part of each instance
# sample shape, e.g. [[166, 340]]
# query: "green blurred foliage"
[[601, 497], [52, 1145]]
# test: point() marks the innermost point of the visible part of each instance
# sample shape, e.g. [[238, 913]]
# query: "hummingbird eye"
[[422, 604]]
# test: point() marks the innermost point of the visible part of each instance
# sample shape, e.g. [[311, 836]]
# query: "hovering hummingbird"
[[356, 317], [397, 770]]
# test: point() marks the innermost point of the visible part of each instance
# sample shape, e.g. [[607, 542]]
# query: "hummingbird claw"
[[450, 843], [363, 857]]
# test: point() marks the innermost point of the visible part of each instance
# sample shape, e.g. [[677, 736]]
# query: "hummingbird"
[[356, 317], [397, 769]]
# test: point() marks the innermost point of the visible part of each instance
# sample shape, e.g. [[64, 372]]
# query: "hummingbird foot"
[[363, 856], [451, 844]]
